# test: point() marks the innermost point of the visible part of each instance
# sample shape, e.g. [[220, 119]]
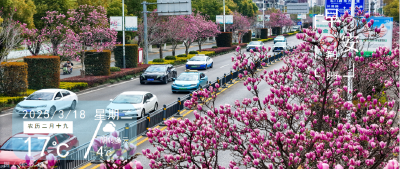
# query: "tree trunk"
[[199, 42], [83, 73], [173, 48], [160, 51]]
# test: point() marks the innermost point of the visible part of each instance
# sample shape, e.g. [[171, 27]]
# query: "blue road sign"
[[342, 5], [299, 23]]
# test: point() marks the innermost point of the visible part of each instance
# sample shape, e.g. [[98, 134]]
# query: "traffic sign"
[[343, 5], [299, 23], [297, 8]]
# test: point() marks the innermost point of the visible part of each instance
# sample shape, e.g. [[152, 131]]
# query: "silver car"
[[254, 44]]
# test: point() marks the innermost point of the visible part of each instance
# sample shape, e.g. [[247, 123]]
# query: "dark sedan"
[[158, 73]]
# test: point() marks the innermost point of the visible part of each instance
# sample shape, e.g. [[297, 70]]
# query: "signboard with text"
[[130, 23], [385, 36], [301, 16], [228, 19], [267, 17], [299, 23], [343, 5], [259, 18]]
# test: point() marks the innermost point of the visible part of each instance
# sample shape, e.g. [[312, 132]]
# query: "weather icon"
[[110, 127]]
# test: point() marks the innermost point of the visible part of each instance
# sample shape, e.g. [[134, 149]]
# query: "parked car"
[[199, 62], [189, 81], [280, 39], [46, 100], [158, 73], [14, 149], [254, 44], [133, 104], [279, 47]]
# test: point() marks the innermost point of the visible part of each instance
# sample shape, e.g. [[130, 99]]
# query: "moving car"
[[199, 62], [189, 81], [295, 28], [158, 73], [280, 39], [279, 47], [14, 149], [254, 44], [46, 101], [133, 104]]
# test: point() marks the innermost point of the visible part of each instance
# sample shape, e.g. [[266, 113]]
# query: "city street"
[[99, 99]]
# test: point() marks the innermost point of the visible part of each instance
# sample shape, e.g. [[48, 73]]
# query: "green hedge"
[[115, 69], [264, 33], [98, 63], [255, 39], [277, 30], [43, 71], [193, 52], [158, 60], [182, 55], [131, 55], [170, 58], [214, 47], [224, 39], [13, 78], [247, 37]]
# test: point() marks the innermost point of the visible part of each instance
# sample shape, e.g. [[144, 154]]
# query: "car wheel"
[[206, 67], [52, 110], [165, 80], [142, 115], [73, 105], [141, 82], [155, 106], [211, 65]]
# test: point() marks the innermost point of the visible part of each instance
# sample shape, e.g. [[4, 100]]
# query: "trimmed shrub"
[[170, 58], [255, 39], [13, 78], [264, 33], [224, 39], [98, 63], [214, 47], [247, 37], [115, 69], [183, 55], [73, 85], [158, 60], [131, 55], [43, 71], [277, 30], [193, 52]]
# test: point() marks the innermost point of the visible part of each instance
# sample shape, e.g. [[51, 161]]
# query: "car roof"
[[49, 90], [21, 134], [280, 44], [135, 92], [159, 65], [191, 72], [280, 37]]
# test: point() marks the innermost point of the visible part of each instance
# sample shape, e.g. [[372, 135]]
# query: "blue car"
[[189, 81], [199, 62]]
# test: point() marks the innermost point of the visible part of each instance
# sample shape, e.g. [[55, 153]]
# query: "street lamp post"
[[224, 16], [123, 34], [263, 15]]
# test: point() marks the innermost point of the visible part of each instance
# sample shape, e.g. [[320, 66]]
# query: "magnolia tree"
[[396, 35], [53, 31], [10, 34], [240, 26], [188, 33], [174, 27], [49, 163], [309, 119], [116, 159], [156, 30], [90, 30], [279, 19], [206, 28]]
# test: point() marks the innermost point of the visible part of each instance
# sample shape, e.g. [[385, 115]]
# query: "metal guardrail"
[[132, 130]]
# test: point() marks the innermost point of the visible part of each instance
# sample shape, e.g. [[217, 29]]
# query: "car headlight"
[[18, 106], [41, 106], [159, 76]]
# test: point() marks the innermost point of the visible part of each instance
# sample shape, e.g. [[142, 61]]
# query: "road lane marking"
[[224, 65], [5, 114], [86, 165]]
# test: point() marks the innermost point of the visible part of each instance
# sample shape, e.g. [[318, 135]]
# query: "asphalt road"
[[99, 99], [180, 50]]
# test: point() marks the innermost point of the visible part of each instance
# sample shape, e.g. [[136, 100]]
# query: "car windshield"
[[197, 58], [280, 44], [188, 77], [18, 144], [156, 69], [40, 96], [131, 99], [278, 48], [254, 43]]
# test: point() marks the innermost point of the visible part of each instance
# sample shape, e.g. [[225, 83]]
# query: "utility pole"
[[224, 16], [263, 14], [146, 51], [123, 33]]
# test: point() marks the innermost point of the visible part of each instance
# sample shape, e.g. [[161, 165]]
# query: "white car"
[[280, 47], [46, 101], [133, 104], [200, 61]]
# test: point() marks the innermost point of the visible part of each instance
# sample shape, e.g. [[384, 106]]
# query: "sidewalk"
[[153, 52]]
